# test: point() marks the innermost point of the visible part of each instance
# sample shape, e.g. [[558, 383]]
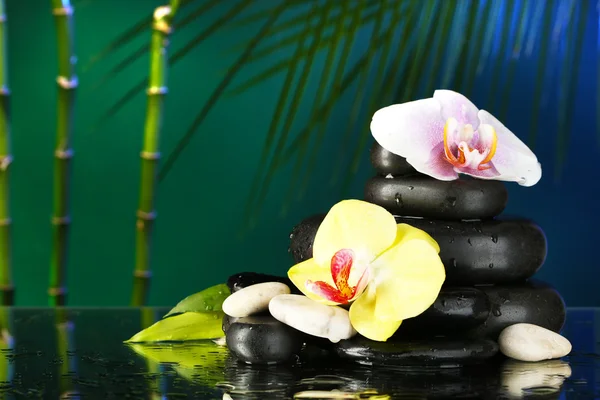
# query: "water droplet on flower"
[[495, 238], [399, 201], [491, 266]]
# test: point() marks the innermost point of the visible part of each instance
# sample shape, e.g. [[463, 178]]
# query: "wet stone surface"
[[435, 351], [46, 358], [493, 251], [386, 162], [263, 340], [473, 252], [423, 196]]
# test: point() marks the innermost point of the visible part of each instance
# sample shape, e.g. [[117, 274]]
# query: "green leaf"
[[186, 326], [202, 362], [208, 300]]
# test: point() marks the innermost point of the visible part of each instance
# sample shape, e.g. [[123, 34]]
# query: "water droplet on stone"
[[399, 201], [411, 187], [451, 240], [496, 310], [451, 200], [491, 266], [291, 235], [495, 238], [443, 303], [453, 261], [469, 241]]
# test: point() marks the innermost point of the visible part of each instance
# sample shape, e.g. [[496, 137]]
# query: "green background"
[[199, 238]]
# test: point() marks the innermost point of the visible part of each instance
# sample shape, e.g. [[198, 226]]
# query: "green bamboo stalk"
[[67, 83], [7, 346], [65, 342], [157, 89], [6, 285]]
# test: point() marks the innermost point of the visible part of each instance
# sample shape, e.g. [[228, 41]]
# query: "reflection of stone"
[[520, 379]]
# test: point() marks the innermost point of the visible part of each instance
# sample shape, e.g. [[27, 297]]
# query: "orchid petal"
[[455, 105], [406, 232], [309, 271], [410, 130], [409, 277], [362, 317], [325, 290], [437, 166], [366, 229], [513, 160]]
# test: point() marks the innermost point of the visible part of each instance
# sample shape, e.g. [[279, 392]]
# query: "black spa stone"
[[490, 251], [245, 279], [386, 162], [432, 351], [303, 236], [263, 340], [423, 196], [532, 302], [473, 252], [455, 311]]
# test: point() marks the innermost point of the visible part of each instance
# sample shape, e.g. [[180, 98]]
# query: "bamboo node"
[[148, 155], [64, 220], [142, 274], [66, 83], [146, 216], [5, 162], [5, 222], [64, 10], [64, 154], [57, 291], [160, 24], [154, 90], [4, 90]]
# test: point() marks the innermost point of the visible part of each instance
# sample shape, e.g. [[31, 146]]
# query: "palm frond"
[[174, 59], [469, 76], [279, 110], [512, 62], [325, 77], [217, 93], [571, 62], [542, 62], [144, 48]]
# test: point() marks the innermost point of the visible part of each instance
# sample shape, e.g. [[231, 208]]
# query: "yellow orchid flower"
[[388, 271]]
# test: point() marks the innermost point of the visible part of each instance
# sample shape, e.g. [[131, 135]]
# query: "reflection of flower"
[[390, 272], [446, 135]]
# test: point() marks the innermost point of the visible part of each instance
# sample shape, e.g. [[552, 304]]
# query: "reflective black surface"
[[78, 353]]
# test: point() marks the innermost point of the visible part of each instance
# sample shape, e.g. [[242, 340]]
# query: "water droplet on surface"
[[451, 240], [399, 201], [451, 200], [411, 187], [495, 238], [491, 266], [453, 261], [291, 235], [469, 241], [443, 303], [496, 311]]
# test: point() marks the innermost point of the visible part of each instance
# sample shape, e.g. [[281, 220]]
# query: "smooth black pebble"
[[423, 196], [263, 340], [455, 311], [482, 252], [386, 162], [436, 351], [303, 236], [244, 279], [533, 302]]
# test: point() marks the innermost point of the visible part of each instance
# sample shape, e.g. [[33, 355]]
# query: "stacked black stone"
[[489, 261]]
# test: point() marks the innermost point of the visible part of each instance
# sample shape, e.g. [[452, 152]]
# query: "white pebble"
[[253, 299], [308, 316], [518, 376], [527, 342]]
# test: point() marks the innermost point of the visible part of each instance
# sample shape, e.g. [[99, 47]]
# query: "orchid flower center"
[[341, 267], [465, 147]]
